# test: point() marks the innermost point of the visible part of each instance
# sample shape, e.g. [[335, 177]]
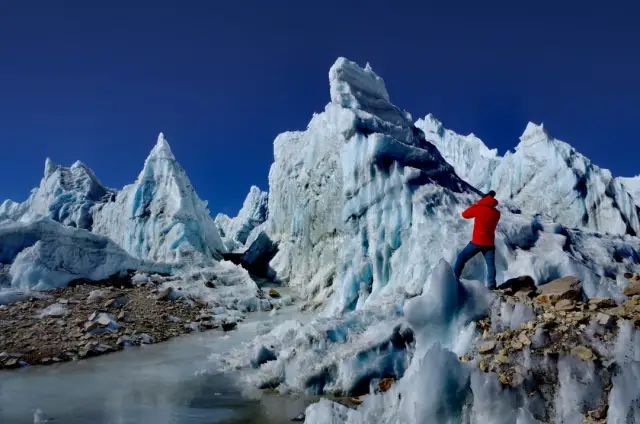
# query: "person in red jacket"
[[486, 218]]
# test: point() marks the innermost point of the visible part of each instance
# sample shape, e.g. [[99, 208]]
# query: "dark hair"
[[490, 193]]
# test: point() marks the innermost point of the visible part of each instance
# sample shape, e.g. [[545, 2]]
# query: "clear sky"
[[98, 80]]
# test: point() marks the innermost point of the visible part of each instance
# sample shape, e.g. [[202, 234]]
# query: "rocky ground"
[[531, 329], [88, 319]]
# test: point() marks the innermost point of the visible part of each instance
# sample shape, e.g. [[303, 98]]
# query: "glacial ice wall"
[[472, 160], [543, 175], [343, 192], [254, 211], [632, 185], [43, 254], [65, 194], [160, 217]]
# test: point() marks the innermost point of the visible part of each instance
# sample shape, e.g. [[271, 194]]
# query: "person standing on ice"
[[486, 218]]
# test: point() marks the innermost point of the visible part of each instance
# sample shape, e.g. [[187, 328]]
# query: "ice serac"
[[44, 254], [343, 192], [632, 185], [235, 231], [160, 217], [472, 160], [65, 194], [549, 176]]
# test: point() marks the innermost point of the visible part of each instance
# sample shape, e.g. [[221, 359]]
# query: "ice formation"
[[66, 194], [472, 160], [364, 209], [543, 175], [160, 217], [632, 185], [235, 231], [44, 254]]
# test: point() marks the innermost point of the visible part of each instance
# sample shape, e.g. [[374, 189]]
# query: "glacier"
[[66, 194], [44, 254], [632, 185], [543, 175], [364, 208], [160, 217], [235, 232]]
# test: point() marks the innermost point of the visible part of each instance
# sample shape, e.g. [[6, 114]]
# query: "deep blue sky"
[[97, 81]]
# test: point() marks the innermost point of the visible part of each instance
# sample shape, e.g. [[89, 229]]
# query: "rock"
[[562, 288], [504, 378], [583, 353], [605, 320], [502, 359], [228, 326], [274, 293], [565, 305], [487, 347], [209, 284], [124, 341], [484, 367], [164, 294], [632, 289], [602, 302], [523, 283], [524, 339], [516, 344], [385, 384], [145, 338]]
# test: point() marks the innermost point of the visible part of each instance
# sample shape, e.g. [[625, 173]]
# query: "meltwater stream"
[[169, 382]]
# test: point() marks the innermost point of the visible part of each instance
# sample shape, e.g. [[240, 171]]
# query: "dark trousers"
[[489, 253]]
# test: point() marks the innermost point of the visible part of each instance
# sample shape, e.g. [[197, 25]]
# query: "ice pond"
[[171, 382]]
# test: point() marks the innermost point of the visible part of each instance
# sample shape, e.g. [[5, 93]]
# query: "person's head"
[[490, 194]]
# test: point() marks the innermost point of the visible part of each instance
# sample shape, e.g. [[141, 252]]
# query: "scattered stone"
[[565, 305], [228, 326], [632, 289], [562, 288], [583, 353], [523, 283], [487, 347], [164, 294], [274, 293], [602, 302], [385, 384]]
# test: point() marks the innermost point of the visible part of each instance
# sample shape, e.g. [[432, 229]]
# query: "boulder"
[[487, 347], [522, 283], [583, 353], [632, 289], [565, 305], [562, 288]]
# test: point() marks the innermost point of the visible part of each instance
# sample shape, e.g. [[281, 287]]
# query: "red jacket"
[[486, 220]]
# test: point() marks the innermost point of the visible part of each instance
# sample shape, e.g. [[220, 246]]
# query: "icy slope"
[[235, 231], [361, 230], [160, 217], [44, 254], [632, 185], [549, 176], [472, 160], [343, 192], [65, 194], [543, 175]]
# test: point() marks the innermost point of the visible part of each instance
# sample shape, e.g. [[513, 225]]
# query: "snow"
[[45, 254], [160, 217], [235, 231]]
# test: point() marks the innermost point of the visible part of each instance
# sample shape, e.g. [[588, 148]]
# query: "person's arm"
[[470, 212]]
